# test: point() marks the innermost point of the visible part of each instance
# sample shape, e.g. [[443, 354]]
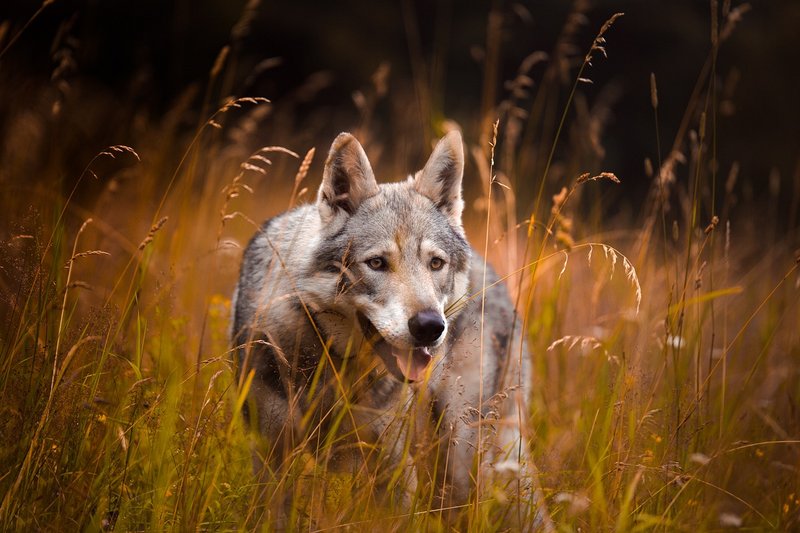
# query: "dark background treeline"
[[135, 60]]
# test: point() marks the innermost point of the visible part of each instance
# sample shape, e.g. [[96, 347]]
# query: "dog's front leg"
[[509, 467], [267, 415]]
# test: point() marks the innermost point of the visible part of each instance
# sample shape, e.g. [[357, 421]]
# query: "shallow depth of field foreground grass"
[[665, 335]]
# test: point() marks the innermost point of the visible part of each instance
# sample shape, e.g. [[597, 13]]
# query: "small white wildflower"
[[563, 497], [577, 503], [730, 520], [507, 466], [699, 458], [675, 342]]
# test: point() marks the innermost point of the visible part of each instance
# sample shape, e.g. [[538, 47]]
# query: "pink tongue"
[[413, 364]]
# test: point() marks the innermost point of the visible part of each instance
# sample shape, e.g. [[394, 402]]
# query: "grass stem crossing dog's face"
[[393, 257]]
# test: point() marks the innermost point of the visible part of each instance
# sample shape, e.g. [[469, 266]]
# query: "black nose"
[[426, 326]]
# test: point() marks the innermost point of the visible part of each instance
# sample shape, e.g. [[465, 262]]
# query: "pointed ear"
[[347, 179], [440, 180]]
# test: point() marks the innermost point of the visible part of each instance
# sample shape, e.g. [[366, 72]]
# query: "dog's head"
[[394, 254]]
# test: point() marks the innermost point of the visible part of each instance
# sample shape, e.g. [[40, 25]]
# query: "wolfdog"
[[376, 338]]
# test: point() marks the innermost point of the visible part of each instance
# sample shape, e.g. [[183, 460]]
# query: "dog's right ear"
[[440, 180], [347, 179]]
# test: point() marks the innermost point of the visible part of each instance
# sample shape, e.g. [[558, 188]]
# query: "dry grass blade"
[[254, 168], [219, 62], [587, 344], [87, 253], [33, 17], [113, 151], [653, 91], [630, 271], [564, 266], [280, 149], [236, 103], [583, 178]]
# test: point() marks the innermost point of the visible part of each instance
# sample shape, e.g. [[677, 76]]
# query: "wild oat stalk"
[[492, 180], [598, 45], [233, 103], [33, 17], [256, 163]]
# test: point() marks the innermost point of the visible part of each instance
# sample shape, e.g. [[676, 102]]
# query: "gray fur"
[[311, 291]]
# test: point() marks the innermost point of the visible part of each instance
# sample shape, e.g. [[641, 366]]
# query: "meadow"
[[665, 333]]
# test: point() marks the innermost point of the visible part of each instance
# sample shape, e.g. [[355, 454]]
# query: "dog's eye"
[[437, 263], [377, 263]]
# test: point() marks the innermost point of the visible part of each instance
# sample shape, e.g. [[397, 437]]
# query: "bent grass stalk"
[[483, 309]]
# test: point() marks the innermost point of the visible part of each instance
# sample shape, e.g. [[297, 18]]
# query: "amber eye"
[[437, 263], [377, 263]]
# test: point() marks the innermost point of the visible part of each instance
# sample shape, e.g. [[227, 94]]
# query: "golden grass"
[[666, 353]]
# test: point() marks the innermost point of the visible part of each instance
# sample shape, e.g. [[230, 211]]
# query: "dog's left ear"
[[440, 180], [347, 179]]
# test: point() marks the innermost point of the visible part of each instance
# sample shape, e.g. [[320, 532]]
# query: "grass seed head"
[[712, 225], [153, 230], [653, 91]]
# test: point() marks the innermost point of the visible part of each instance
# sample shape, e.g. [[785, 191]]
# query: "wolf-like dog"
[[364, 325]]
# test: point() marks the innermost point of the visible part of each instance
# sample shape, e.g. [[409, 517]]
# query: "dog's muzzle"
[[406, 364]]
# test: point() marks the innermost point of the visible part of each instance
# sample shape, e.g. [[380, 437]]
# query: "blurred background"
[[103, 72]]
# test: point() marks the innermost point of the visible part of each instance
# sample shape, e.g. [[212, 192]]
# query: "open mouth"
[[405, 364]]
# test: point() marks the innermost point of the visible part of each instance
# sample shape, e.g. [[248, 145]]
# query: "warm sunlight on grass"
[[665, 335]]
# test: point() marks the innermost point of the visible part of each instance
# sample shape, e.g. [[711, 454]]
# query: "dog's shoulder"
[[270, 264]]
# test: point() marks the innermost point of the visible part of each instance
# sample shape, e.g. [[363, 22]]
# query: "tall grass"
[[665, 344]]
